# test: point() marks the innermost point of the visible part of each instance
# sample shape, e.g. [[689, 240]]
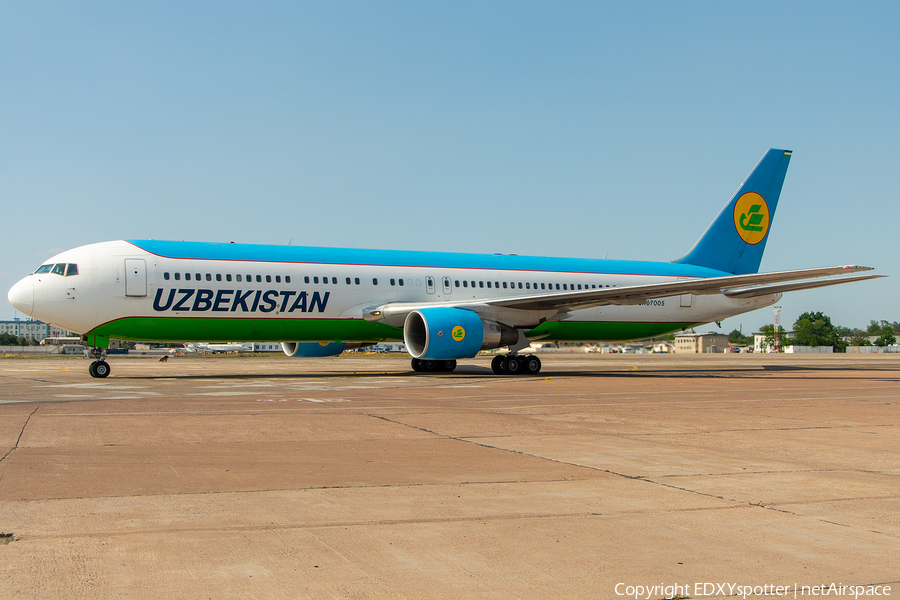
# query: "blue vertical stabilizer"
[[735, 241]]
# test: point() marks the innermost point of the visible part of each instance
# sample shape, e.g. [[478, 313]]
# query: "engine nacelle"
[[451, 333], [312, 349]]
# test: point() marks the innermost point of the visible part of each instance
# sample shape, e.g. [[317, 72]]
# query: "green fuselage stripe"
[[186, 329]]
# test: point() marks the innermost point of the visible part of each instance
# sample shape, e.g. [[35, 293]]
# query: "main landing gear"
[[433, 366], [99, 368], [502, 364], [513, 364]]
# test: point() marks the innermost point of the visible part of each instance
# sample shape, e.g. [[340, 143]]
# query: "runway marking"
[[316, 400]]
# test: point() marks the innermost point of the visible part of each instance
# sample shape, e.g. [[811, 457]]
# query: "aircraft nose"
[[21, 296]]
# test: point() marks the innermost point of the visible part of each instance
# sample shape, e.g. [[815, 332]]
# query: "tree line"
[[816, 329], [8, 339]]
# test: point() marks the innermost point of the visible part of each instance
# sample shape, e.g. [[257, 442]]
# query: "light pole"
[[777, 311]]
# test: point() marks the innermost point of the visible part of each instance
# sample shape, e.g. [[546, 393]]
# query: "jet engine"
[[312, 349], [451, 333]]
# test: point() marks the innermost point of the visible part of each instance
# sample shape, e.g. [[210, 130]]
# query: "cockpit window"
[[59, 269], [44, 269], [71, 269]]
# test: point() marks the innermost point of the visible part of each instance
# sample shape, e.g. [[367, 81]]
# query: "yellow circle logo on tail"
[[751, 217], [458, 333]]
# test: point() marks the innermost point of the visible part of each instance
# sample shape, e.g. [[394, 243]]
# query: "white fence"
[[872, 349], [43, 350], [809, 349]]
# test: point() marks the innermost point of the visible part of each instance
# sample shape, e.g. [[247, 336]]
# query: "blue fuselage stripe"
[[408, 258]]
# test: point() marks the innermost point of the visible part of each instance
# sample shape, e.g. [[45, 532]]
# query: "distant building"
[[759, 341], [700, 343], [31, 329], [267, 346], [386, 347]]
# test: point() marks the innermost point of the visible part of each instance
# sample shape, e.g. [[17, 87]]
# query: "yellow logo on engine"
[[458, 333], [751, 217]]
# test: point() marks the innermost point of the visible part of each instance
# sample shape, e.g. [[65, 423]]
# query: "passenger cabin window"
[[356, 281], [238, 278], [218, 277], [287, 278], [228, 277], [166, 276], [187, 276], [306, 279], [348, 281], [268, 279], [401, 282], [334, 280], [198, 277], [315, 280], [374, 281], [393, 282], [208, 277], [259, 279], [177, 276]]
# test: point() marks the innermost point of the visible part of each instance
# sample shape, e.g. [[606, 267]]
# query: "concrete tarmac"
[[353, 477]]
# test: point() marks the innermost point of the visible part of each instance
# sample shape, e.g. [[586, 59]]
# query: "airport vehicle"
[[444, 306]]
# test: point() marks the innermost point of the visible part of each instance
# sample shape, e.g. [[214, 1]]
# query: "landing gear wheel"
[[447, 366], [416, 365], [512, 365], [497, 364], [429, 366], [99, 369], [531, 365]]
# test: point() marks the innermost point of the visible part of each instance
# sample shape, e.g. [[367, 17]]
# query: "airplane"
[[227, 347], [443, 306]]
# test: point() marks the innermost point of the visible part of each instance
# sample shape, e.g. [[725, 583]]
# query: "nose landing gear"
[[99, 368]]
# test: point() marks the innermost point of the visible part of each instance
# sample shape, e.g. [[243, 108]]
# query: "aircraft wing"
[[754, 284], [734, 286]]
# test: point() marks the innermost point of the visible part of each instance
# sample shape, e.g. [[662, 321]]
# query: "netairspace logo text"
[[698, 590]]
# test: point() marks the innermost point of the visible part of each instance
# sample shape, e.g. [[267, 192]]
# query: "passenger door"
[[135, 277]]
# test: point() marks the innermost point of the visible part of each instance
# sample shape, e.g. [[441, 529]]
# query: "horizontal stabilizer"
[[765, 290]]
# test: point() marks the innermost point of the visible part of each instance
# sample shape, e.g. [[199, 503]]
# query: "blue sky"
[[584, 129]]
